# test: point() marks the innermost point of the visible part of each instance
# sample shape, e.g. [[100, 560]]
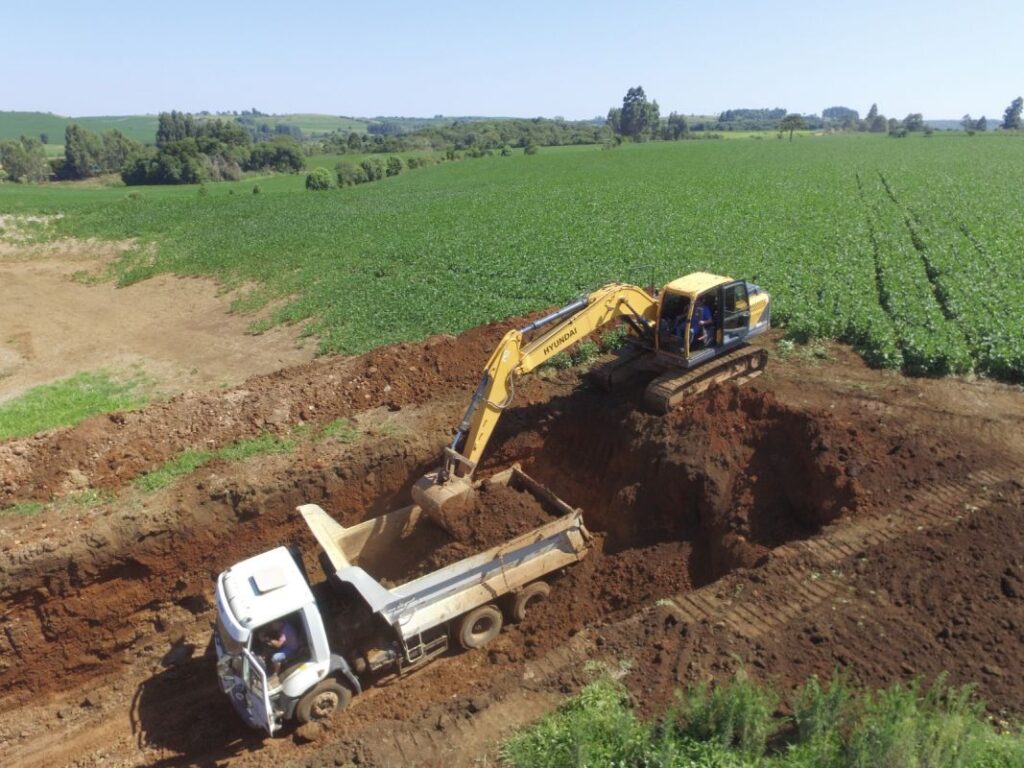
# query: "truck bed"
[[358, 555]]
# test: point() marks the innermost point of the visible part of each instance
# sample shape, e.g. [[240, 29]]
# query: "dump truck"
[[353, 629]]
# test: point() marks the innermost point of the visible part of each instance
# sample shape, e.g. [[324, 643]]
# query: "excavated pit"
[[674, 502]]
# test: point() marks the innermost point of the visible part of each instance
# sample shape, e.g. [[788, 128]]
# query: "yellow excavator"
[[692, 333]]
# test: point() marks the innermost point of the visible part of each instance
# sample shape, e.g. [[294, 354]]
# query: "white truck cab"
[[250, 596]]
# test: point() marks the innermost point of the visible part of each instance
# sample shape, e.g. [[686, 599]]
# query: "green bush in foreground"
[[735, 726]]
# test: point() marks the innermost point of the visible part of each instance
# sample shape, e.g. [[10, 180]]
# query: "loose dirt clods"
[[825, 515]]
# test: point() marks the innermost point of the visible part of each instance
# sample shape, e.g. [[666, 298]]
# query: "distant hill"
[[143, 127], [953, 125], [14, 124]]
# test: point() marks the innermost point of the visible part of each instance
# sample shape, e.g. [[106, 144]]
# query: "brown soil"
[[826, 514], [493, 515], [60, 315]]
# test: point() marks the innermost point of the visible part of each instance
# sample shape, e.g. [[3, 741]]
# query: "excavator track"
[[670, 389]]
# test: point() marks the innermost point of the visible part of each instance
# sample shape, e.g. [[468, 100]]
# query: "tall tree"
[[982, 124], [792, 122], [82, 153], [872, 113], [614, 120], [914, 122], [24, 160], [1011, 118], [639, 117], [967, 122], [117, 148], [677, 128]]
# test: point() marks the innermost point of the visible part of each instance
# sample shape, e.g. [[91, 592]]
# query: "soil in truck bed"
[[493, 515]]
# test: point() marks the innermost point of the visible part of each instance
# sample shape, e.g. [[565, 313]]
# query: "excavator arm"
[[515, 356]]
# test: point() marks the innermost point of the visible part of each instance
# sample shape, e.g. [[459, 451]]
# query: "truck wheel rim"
[[482, 626], [325, 703]]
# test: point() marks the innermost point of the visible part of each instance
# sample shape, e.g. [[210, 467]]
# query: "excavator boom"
[[686, 350], [515, 356]]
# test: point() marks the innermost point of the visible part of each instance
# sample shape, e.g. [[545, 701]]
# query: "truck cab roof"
[[258, 590]]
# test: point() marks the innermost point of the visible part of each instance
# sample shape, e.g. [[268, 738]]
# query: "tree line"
[[190, 151], [639, 119], [187, 151], [466, 136]]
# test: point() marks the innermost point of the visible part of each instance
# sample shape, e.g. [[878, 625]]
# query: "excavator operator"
[[702, 326]]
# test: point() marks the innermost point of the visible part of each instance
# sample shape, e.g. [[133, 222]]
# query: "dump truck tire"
[[528, 597], [322, 700], [478, 627]]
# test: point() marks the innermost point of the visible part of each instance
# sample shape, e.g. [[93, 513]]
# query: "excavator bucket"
[[442, 502]]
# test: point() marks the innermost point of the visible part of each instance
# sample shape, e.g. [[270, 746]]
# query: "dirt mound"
[[495, 514], [110, 450], [492, 515]]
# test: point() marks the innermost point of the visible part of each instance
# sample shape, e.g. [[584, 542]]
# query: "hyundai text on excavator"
[[691, 334]]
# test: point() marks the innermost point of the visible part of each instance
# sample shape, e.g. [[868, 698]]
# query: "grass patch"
[[342, 430], [736, 726], [812, 350], [264, 445], [184, 463], [188, 461], [67, 402], [23, 509]]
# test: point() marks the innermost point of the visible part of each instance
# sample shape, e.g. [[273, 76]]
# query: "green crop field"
[[315, 124], [909, 249], [141, 128]]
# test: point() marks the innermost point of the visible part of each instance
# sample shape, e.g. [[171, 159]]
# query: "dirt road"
[[824, 515], [57, 319]]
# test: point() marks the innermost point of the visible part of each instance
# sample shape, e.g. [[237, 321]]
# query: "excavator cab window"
[[737, 307], [673, 323]]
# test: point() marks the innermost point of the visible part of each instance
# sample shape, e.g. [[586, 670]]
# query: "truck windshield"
[[228, 643]]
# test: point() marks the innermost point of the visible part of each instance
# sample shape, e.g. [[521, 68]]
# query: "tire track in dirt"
[[933, 507]]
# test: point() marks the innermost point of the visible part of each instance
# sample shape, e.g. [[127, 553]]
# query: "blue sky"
[[574, 59]]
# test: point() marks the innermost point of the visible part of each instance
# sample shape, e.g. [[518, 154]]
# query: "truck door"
[[261, 715], [735, 312]]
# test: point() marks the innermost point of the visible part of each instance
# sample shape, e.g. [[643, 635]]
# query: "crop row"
[[931, 343]]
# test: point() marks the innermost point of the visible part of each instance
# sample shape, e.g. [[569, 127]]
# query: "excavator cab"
[[701, 316]]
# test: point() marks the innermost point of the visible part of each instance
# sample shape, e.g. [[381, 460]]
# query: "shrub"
[[413, 163], [506, 151], [257, 189], [901, 726], [736, 715], [318, 180], [373, 168], [394, 166], [614, 339], [349, 174], [595, 728], [530, 149], [821, 712]]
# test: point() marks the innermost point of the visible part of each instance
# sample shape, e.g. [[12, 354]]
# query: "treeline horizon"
[[192, 149]]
